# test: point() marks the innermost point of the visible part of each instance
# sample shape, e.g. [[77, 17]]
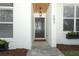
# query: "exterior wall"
[[61, 35], [53, 25], [22, 23], [48, 25], [32, 15]]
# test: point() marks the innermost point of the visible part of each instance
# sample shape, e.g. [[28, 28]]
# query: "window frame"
[[10, 23], [75, 17]]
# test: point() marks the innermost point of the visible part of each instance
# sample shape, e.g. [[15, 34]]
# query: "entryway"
[[41, 31], [39, 24]]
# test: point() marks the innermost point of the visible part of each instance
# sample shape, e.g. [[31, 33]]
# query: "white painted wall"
[[53, 25], [22, 24], [48, 25], [32, 15], [61, 35], [59, 24]]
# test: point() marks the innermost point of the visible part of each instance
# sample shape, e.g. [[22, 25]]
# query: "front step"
[[40, 39]]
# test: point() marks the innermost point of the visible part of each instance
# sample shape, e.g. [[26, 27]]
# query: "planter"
[[4, 47], [72, 36]]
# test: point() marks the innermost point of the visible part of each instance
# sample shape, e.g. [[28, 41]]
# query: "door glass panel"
[[39, 27]]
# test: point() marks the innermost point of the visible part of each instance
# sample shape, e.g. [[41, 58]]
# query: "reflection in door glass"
[[39, 28]]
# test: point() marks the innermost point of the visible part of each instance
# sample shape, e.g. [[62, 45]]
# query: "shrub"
[[2, 42]]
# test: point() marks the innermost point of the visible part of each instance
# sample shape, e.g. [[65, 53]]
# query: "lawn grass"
[[71, 53]]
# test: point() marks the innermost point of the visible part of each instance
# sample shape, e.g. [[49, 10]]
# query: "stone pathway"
[[44, 50]]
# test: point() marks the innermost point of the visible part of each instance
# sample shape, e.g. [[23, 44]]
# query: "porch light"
[[40, 11]]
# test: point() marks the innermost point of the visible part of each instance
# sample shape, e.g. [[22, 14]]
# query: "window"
[[71, 18], [77, 24], [69, 11], [68, 18], [68, 24], [77, 18], [6, 20]]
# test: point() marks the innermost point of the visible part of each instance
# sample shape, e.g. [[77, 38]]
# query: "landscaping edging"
[[14, 52], [67, 47]]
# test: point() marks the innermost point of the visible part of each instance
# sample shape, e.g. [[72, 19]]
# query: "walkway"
[[42, 49]]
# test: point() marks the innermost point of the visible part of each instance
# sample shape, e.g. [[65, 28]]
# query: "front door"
[[39, 27]]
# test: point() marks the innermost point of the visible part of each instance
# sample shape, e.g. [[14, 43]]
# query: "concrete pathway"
[[43, 49]]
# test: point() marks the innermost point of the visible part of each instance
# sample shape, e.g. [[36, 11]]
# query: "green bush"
[[72, 33], [2, 42]]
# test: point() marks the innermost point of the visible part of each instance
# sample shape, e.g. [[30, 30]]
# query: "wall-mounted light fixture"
[[40, 11]]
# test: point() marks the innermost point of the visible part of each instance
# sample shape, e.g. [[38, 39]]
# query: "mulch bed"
[[69, 50], [14, 52], [63, 47]]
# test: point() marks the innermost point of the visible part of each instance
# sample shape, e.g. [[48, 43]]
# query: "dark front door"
[[39, 27]]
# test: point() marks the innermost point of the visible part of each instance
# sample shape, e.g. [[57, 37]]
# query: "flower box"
[[72, 35]]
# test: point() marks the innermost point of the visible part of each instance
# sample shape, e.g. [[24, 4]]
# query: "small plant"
[[72, 35], [3, 45], [2, 42]]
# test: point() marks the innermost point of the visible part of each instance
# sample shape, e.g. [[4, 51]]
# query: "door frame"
[[44, 27], [53, 36]]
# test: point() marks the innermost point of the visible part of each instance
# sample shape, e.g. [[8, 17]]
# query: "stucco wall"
[[22, 25], [48, 25]]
